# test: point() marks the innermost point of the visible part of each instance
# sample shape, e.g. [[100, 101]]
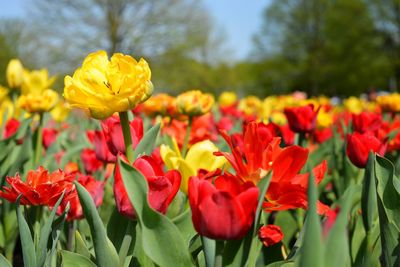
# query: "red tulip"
[[40, 187], [11, 128], [359, 146], [49, 136], [162, 186], [270, 234], [95, 189], [302, 119], [90, 161], [367, 122], [320, 136], [112, 130], [101, 149], [222, 207]]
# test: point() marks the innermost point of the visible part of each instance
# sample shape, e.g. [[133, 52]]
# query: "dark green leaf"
[[368, 199], [146, 145], [28, 248]]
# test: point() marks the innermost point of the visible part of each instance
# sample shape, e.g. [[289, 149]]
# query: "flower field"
[[114, 172]]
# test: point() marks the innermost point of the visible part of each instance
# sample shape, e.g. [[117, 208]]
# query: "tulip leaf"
[[115, 225], [185, 225], [337, 244], [80, 245], [281, 264], [158, 232], [311, 248], [45, 232], [368, 199], [28, 248], [71, 259], [288, 225], [388, 211], [146, 145], [4, 262], [104, 250]]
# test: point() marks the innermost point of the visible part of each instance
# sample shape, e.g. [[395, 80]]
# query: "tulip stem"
[[39, 140], [187, 136], [219, 253], [126, 132]]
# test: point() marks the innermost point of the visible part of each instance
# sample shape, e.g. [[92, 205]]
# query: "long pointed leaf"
[[28, 248]]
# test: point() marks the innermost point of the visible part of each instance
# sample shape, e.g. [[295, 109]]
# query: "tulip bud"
[[270, 235], [302, 119], [359, 146], [14, 73]]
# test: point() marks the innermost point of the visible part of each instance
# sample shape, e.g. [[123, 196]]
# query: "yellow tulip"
[[390, 103], [102, 87], [324, 119], [36, 81], [14, 73], [353, 105], [250, 105], [194, 103], [199, 156], [227, 99], [3, 93], [60, 112], [39, 103], [161, 104], [278, 118]]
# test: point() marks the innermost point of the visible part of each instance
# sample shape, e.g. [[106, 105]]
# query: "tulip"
[[199, 156], [36, 81], [162, 186], [250, 105], [359, 146], [222, 206], [11, 128], [14, 73], [112, 130], [194, 103], [367, 122], [389, 103], [161, 104], [101, 149], [90, 161], [39, 189], [102, 87], [49, 136], [96, 191], [301, 119], [270, 235], [38, 102], [227, 99], [60, 112]]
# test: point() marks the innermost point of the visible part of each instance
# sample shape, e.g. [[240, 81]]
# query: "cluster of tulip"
[[155, 180]]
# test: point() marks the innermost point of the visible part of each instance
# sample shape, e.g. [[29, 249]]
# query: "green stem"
[[36, 225], [39, 139], [71, 235], [187, 136], [219, 253], [126, 131]]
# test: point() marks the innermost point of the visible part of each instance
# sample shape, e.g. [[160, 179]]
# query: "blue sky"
[[239, 19]]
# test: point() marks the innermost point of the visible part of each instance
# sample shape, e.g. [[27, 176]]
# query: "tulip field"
[[111, 171]]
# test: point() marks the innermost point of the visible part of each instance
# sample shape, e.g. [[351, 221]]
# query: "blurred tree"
[[176, 36], [386, 14], [320, 46]]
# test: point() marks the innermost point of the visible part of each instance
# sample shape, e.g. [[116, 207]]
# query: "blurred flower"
[[320, 136], [112, 130], [161, 104], [49, 136], [90, 161], [270, 234], [389, 103], [302, 119], [38, 102], [101, 149], [40, 187], [162, 186], [102, 87], [353, 105], [359, 146], [14, 73], [367, 122], [60, 112], [278, 118], [36, 81], [194, 103], [11, 128], [324, 119], [250, 105], [227, 99], [96, 191], [199, 156], [222, 206]]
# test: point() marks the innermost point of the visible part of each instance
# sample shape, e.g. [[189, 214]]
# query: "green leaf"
[[312, 250], [28, 248], [368, 199], [45, 232], [281, 264], [158, 232], [337, 244], [388, 211], [80, 245], [4, 262], [105, 252], [285, 220], [146, 145], [71, 259], [116, 228], [185, 225]]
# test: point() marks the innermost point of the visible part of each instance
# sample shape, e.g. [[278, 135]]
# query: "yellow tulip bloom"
[[251, 105], [14, 73], [194, 103], [390, 103], [102, 87], [36, 81], [39, 103], [227, 99], [199, 156], [60, 112]]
